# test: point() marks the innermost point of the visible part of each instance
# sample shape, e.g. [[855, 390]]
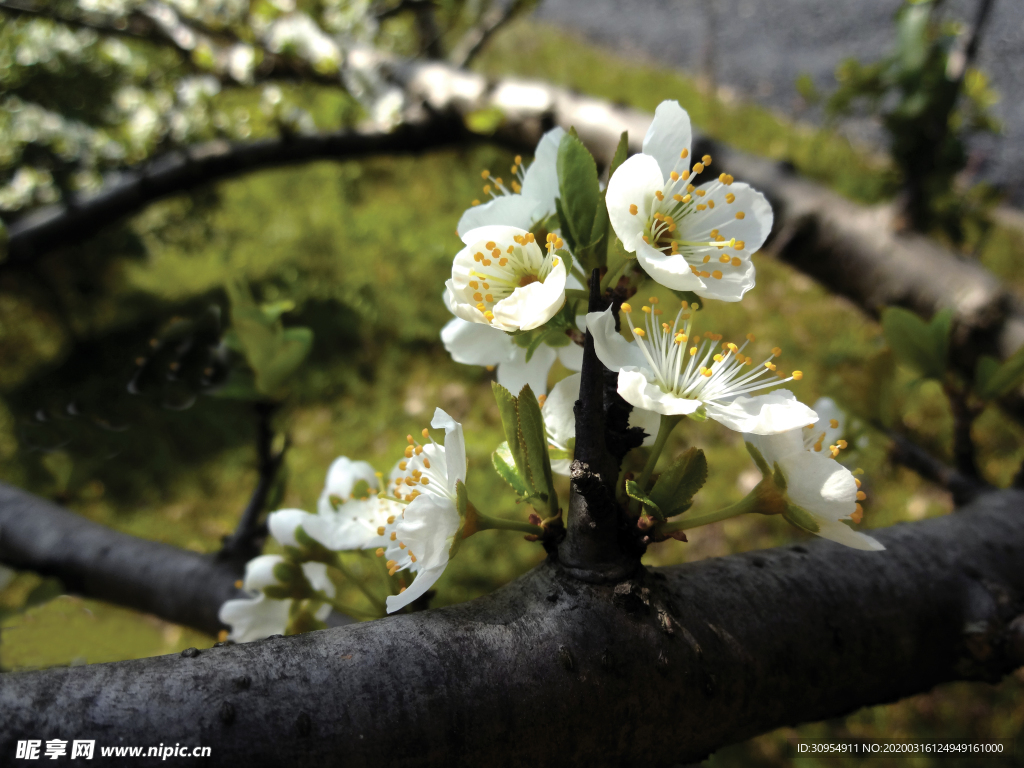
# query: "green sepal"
[[923, 346], [759, 459], [993, 379], [310, 550], [674, 491], [779, 477], [578, 188], [634, 492], [303, 621], [461, 499], [801, 518], [505, 465], [534, 441]]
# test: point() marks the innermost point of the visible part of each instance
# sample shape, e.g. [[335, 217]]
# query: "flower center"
[[527, 280]]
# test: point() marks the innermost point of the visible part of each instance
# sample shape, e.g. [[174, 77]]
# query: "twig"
[[247, 540], [909, 454], [964, 415], [500, 13]]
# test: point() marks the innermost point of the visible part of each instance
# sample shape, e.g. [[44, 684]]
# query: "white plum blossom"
[[353, 523], [504, 279], [560, 422], [260, 616], [423, 534], [687, 238], [530, 197], [815, 481], [668, 370]]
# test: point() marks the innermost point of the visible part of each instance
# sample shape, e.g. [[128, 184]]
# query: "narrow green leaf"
[[508, 407], [801, 518], [535, 444], [578, 187], [676, 487], [505, 465], [914, 342], [994, 380], [634, 492], [563, 225], [621, 153]]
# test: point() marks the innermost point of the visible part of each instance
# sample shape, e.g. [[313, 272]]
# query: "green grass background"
[[363, 250]]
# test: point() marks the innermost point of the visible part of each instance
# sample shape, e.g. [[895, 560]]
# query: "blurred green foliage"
[[362, 250]]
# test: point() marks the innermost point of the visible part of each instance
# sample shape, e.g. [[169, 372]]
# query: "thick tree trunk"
[[550, 670]]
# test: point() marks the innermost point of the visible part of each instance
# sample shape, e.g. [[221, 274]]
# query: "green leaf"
[[621, 153], [505, 465], [993, 379], [801, 518], [563, 225], [578, 188], [676, 487], [918, 344], [534, 441], [634, 492], [508, 408]]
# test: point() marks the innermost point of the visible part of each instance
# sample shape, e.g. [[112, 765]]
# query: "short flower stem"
[[375, 600], [485, 522], [747, 504], [613, 273], [666, 426]]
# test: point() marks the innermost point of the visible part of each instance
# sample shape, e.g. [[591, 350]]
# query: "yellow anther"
[[705, 274], [740, 215], [659, 194], [683, 154], [559, 243], [706, 372], [858, 471], [510, 249], [711, 203], [489, 298], [401, 545], [426, 462], [797, 375], [713, 234], [496, 253], [842, 444], [478, 297], [474, 284], [736, 261], [408, 451], [693, 351], [518, 160], [380, 530], [487, 189], [750, 337], [646, 239], [484, 174], [770, 365], [486, 262], [706, 259], [645, 309], [481, 306], [718, 358], [730, 197], [418, 450], [858, 514], [698, 167], [834, 423], [680, 338], [502, 261], [514, 169], [724, 259], [530, 237], [402, 465], [776, 351], [861, 495], [475, 202], [699, 192], [678, 198], [478, 256], [717, 274], [516, 187], [639, 332], [653, 299], [626, 308], [633, 209], [739, 245], [817, 446], [391, 519], [733, 347], [412, 557], [498, 181], [694, 270], [706, 159], [690, 187], [674, 176], [380, 551], [490, 245], [425, 481], [541, 399], [701, 207]]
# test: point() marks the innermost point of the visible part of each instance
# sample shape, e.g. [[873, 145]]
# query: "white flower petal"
[[283, 522], [776, 447], [541, 179], [753, 229], [355, 524], [648, 421], [640, 393], [672, 271], [454, 449], [496, 232], [316, 575], [259, 572], [822, 486], [515, 373], [509, 210], [769, 414], [342, 477], [845, 535], [476, 344], [254, 618], [533, 305], [459, 309], [633, 183], [559, 418], [735, 282], [614, 351], [571, 356], [425, 579], [668, 136]]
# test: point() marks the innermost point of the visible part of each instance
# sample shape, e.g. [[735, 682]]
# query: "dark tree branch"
[[59, 226], [94, 561], [671, 664], [909, 454], [247, 540], [473, 40]]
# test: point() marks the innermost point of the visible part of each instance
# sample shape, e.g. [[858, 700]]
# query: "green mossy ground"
[[363, 250]]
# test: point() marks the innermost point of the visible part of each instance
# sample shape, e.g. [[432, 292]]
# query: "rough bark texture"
[[92, 560], [661, 669]]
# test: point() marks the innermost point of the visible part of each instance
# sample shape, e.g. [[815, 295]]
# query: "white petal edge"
[[640, 393], [668, 135], [633, 183]]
